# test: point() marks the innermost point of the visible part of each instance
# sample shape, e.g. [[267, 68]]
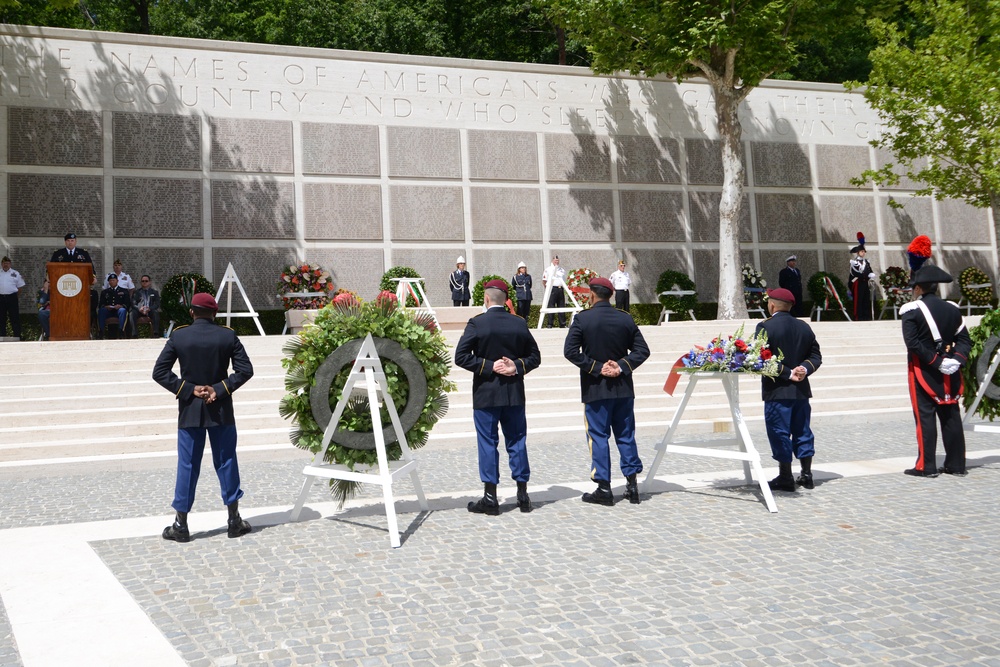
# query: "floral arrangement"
[[580, 278], [346, 297], [175, 299], [892, 280], [670, 280], [817, 290], [977, 296], [304, 278], [754, 279], [479, 289], [734, 354]]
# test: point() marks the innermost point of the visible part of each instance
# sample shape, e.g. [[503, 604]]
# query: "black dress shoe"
[[920, 473], [780, 483], [238, 528], [485, 505], [523, 501], [177, 533], [632, 490], [805, 480], [957, 473], [600, 496]]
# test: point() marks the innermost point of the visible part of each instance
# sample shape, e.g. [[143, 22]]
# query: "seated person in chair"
[[43, 309], [146, 303], [114, 301]]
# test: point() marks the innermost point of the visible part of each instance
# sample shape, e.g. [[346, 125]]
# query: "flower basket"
[[754, 287], [734, 354], [304, 287], [976, 287]]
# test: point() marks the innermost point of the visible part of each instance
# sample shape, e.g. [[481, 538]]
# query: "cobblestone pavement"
[[880, 569]]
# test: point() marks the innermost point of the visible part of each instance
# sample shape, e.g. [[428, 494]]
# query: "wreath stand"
[[969, 306], [759, 309], [984, 386], [415, 288], [545, 310], [228, 280], [675, 291], [745, 450], [367, 367], [830, 293]]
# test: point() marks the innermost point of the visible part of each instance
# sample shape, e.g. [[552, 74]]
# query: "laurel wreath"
[[580, 279], [892, 280], [175, 299], [984, 346], [980, 296], [479, 289], [679, 305]]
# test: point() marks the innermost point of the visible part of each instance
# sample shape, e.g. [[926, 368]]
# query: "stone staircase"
[[95, 401]]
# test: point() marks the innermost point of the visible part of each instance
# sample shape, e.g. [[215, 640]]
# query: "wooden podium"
[[69, 298]]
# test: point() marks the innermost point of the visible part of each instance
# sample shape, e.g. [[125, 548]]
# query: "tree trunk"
[[732, 305], [561, 39], [995, 208]]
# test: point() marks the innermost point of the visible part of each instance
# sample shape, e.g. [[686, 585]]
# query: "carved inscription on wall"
[[837, 165], [843, 216], [777, 164], [343, 211], [156, 141], [424, 152], [424, 213], [256, 268], [347, 150], [785, 218], [263, 146], [160, 263], [157, 207], [253, 209], [900, 225], [648, 160], [506, 214], [503, 156], [54, 137], [652, 216], [581, 215], [577, 157], [51, 205], [704, 161], [704, 208]]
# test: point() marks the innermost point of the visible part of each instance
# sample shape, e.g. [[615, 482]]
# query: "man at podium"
[[73, 254]]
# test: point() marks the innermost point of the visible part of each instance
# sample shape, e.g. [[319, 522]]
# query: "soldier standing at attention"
[[459, 283], [205, 406], [11, 283], [621, 281]]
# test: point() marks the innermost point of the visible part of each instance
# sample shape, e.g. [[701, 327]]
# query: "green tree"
[[733, 45], [936, 81]]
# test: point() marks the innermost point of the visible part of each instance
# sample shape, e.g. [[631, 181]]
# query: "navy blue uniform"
[[932, 393], [205, 351], [786, 404], [498, 400], [791, 280], [78, 255], [114, 301], [458, 283], [597, 335], [522, 289]]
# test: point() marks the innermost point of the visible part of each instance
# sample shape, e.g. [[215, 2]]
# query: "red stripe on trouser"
[[919, 465]]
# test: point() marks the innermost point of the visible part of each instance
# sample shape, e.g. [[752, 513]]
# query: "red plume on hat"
[[919, 251], [861, 243]]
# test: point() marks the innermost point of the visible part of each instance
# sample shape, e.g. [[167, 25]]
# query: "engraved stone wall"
[[55, 137], [645, 267], [160, 263], [356, 269], [506, 214], [255, 209], [577, 158], [785, 218], [652, 216], [962, 223], [706, 274], [51, 205], [843, 216], [837, 165], [581, 215], [955, 261], [263, 146], [602, 260], [503, 156], [157, 207], [342, 211], [349, 150], [433, 265], [704, 207], [773, 261], [424, 213], [156, 141], [504, 263], [250, 264], [704, 161], [777, 164], [901, 225], [648, 160], [424, 152], [884, 157], [30, 261]]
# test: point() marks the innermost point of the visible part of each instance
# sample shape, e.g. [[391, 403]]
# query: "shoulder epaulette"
[[952, 303], [176, 329], [225, 327], [907, 307]]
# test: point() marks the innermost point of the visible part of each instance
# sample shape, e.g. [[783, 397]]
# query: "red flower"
[[765, 354], [718, 350], [304, 268], [740, 345]]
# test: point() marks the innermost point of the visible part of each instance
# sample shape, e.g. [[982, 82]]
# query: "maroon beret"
[[496, 284], [602, 282], [206, 301], [781, 294]]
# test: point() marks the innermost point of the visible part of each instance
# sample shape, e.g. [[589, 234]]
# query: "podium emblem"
[[69, 285]]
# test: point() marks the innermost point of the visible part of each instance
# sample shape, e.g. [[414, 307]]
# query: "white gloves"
[[949, 366], [871, 276]]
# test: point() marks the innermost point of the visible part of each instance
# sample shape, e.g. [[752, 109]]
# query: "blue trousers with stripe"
[[190, 447], [512, 420], [604, 417], [788, 431]]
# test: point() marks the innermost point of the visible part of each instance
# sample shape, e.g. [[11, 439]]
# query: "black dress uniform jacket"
[[115, 296], [522, 286], [602, 334], [79, 255], [925, 356], [791, 280], [488, 337], [458, 283], [797, 342], [205, 350]]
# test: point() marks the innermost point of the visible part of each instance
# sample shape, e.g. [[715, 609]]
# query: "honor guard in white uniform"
[[621, 281]]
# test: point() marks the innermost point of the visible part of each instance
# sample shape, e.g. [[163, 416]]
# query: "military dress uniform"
[[622, 281], [10, 283], [75, 255], [599, 334], [861, 291], [114, 300], [521, 282], [556, 275], [205, 351], [498, 400], [458, 283], [790, 278]]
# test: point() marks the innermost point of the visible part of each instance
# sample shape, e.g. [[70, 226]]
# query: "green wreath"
[[387, 284], [337, 325], [979, 296], [817, 289], [680, 305], [174, 299], [892, 280], [978, 363], [479, 288]]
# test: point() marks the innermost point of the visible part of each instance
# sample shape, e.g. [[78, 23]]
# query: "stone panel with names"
[[434, 265], [704, 207], [52, 204], [54, 137], [503, 262], [785, 218], [648, 160], [581, 215], [577, 158], [956, 260], [506, 214], [157, 207], [779, 164], [963, 223], [259, 146], [652, 216], [341, 150], [426, 213], [837, 165], [160, 263], [900, 225], [884, 157], [156, 141], [704, 161], [349, 211], [257, 269], [503, 156], [253, 209], [645, 266], [706, 274], [424, 152], [843, 216], [355, 269]]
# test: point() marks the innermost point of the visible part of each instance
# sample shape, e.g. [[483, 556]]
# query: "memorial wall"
[[184, 155]]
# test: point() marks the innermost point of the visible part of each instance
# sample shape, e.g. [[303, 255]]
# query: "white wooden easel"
[[745, 451], [982, 427], [574, 309], [415, 287], [367, 367], [677, 292], [228, 280]]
